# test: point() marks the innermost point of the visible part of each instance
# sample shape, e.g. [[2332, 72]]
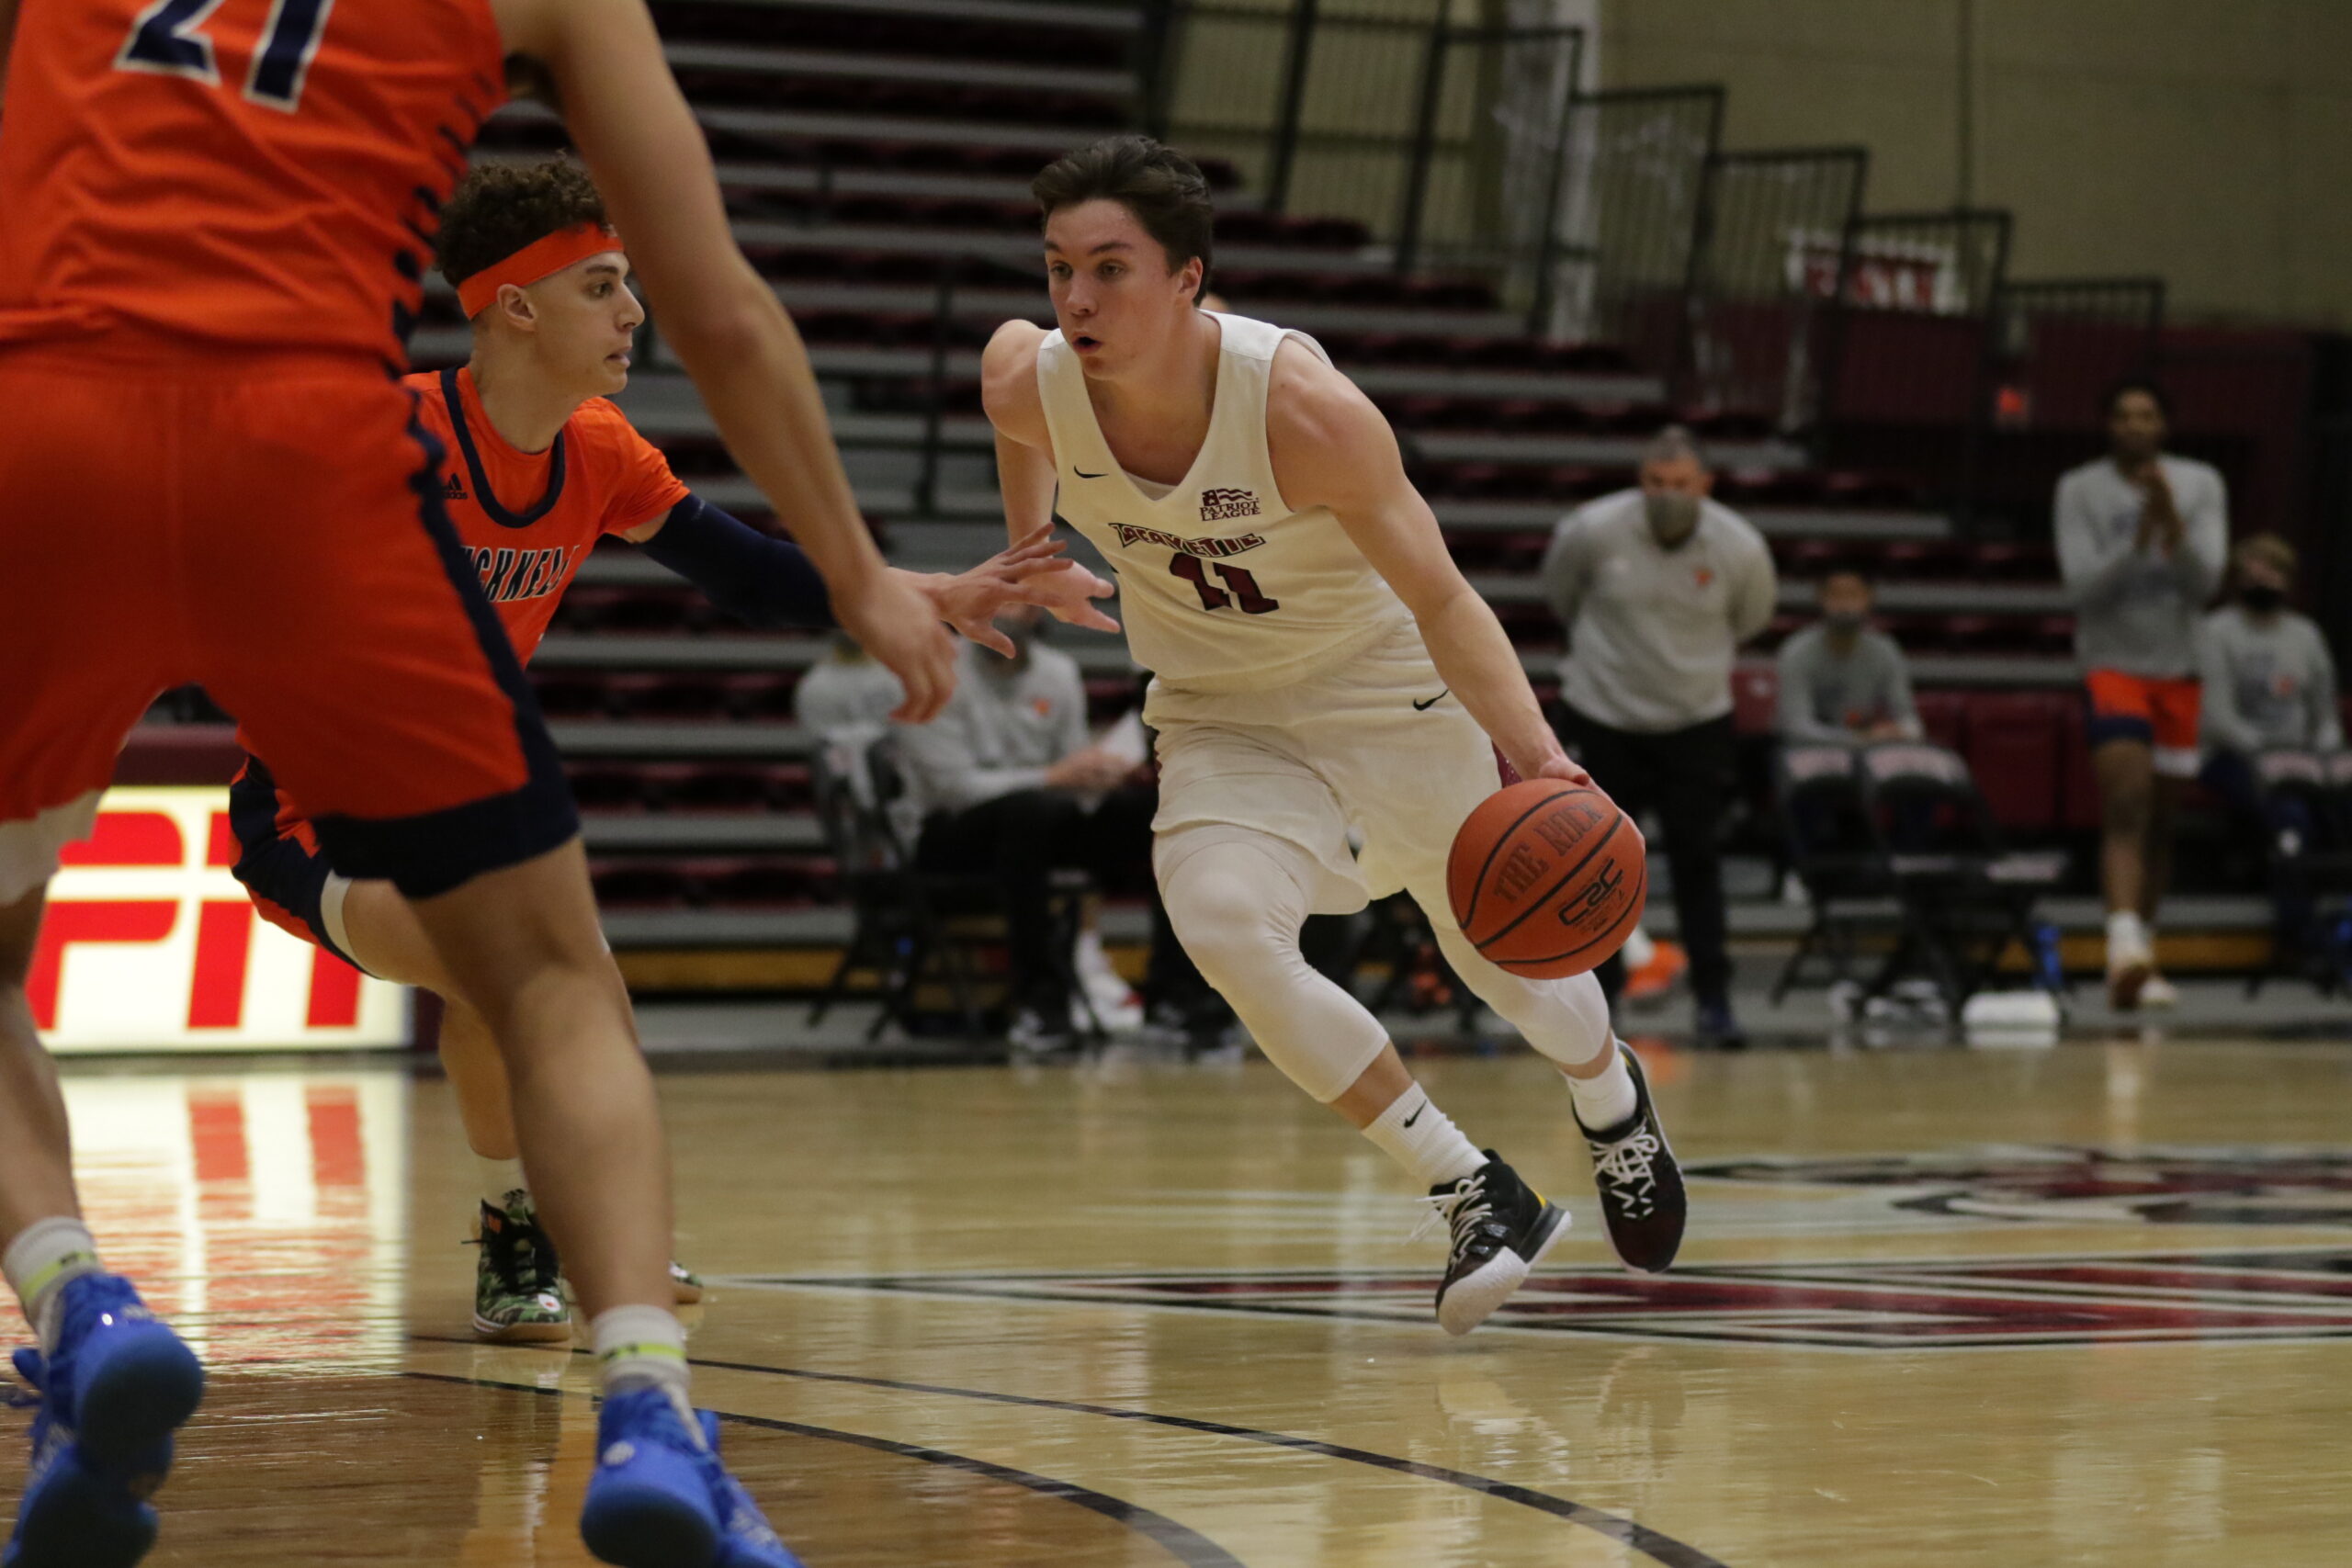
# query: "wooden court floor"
[[2085, 1305]]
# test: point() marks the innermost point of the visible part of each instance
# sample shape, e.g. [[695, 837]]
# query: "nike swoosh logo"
[[1416, 1115], [1082, 473], [1424, 707]]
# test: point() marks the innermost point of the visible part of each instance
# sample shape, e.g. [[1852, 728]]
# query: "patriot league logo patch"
[[1219, 505]]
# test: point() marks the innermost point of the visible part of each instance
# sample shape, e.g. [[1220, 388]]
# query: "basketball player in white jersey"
[[1320, 665]]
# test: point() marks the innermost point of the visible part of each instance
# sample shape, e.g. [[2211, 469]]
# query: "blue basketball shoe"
[[661, 1499], [110, 1398]]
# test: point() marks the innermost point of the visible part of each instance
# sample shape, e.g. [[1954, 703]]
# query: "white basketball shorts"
[[1377, 745]]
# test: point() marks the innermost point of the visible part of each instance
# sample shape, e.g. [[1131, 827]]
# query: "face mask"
[[1671, 516], [1844, 621], [2261, 598]]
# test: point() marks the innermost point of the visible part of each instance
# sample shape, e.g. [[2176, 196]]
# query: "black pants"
[[1018, 841], [1684, 776], [2289, 830]]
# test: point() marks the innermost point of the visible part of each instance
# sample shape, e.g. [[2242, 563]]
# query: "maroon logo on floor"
[[2150, 1185], [1866, 1306]]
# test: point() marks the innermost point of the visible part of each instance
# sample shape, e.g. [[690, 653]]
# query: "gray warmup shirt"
[[2134, 610], [2267, 685], [1652, 632], [1000, 731], [1824, 695], [838, 695]]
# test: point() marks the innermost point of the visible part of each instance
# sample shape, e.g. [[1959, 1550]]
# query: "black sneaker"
[[1039, 1035], [1641, 1186], [1502, 1227], [1716, 1029]]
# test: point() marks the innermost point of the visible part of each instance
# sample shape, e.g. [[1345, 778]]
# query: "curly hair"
[[1163, 189], [498, 209]]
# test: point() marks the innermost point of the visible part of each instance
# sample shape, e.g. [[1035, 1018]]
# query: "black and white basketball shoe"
[[1641, 1186], [1501, 1227]]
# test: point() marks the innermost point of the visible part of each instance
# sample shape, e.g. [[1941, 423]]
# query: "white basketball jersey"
[[1222, 586]]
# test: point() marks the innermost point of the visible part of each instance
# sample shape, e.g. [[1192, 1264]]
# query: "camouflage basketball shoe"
[[518, 1286], [685, 1285]]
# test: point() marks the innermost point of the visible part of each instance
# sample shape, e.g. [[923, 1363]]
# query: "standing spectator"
[[1843, 681], [2269, 684], [1013, 789], [1658, 586], [2140, 537]]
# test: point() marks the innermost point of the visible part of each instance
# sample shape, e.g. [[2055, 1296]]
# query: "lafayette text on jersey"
[[1222, 585]]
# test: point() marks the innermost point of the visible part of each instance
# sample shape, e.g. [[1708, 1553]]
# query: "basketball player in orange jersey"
[[1320, 665], [219, 213], [539, 466]]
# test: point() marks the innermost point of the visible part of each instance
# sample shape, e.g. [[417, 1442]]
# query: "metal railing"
[[2328, 571], [1773, 249], [2057, 345], [2054, 348], [1907, 345], [1615, 258], [1435, 137]]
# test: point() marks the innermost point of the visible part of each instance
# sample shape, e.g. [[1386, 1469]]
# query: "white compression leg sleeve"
[[1566, 1019], [1237, 898]]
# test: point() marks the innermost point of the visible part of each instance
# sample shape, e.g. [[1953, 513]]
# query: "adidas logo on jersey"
[[1219, 505], [454, 489]]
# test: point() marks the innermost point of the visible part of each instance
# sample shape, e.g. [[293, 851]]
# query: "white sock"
[[1608, 1100], [501, 1178], [1638, 950], [2126, 935], [644, 1345], [1424, 1140], [45, 1255]]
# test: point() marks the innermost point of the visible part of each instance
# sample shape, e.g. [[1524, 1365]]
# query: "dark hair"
[[500, 208], [1161, 187], [2147, 386]]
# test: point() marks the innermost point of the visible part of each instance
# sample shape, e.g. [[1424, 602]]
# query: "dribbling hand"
[[1554, 765]]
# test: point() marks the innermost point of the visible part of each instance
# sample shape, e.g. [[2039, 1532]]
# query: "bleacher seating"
[[865, 161]]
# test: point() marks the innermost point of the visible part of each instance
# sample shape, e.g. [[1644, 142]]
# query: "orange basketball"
[[1547, 878]]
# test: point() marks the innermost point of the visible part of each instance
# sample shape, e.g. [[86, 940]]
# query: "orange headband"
[[540, 258]]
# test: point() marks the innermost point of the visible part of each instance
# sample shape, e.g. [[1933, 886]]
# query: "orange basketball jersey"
[[244, 173], [524, 520], [528, 519]]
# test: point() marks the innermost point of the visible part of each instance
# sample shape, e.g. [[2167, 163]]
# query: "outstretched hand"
[[1033, 571]]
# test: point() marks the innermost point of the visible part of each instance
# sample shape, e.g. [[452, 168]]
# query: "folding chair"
[[909, 926], [1834, 855], [896, 933], [1961, 895], [2307, 795]]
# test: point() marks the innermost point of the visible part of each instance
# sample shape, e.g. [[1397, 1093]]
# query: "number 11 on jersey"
[[1239, 586]]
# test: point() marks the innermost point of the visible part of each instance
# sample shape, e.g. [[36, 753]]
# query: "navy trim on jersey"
[[272, 865], [437, 851], [484, 494]]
